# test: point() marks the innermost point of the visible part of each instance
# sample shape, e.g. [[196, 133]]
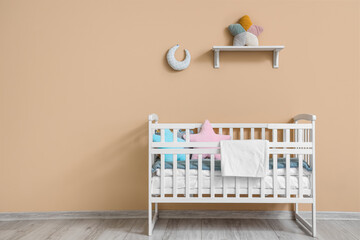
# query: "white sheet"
[[230, 181], [244, 158], [206, 173], [218, 179]]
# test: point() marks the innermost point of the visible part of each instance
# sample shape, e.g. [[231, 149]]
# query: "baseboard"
[[177, 214], [332, 215], [73, 215]]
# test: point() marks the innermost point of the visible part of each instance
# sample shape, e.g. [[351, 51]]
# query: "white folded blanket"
[[244, 158]]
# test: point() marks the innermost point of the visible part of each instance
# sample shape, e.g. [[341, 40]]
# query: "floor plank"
[[130, 229], [140, 230], [289, 229], [81, 229], [160, 228], [15, 230], [219, 229], [255, 229], [44, 230], [113, 229], [59, 232], [351, 226], [329, 230], [182, 229]]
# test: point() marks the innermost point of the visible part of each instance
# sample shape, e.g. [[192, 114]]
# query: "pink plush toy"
[[207, 134]]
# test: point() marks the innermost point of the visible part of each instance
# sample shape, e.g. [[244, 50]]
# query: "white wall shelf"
[[274, 49]]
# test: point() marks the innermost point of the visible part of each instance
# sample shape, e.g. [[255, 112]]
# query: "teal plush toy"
[[169, 137]]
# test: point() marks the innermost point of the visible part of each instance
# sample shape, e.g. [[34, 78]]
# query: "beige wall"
[[78, 79]]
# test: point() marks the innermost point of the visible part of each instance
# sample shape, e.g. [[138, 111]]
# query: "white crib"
[[287, 141]]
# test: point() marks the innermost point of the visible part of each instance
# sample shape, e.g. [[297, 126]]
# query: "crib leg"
[[310, 227], [150, 224], [314, 220], [152, 219], [297, 208]]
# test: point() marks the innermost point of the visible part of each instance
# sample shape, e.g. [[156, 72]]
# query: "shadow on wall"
[[122, 161]]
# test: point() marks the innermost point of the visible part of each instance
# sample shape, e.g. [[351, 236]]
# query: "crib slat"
[[287, 135], [241, 133], [263, 135], [174, 175], [305, 140], [162, 173], [187, 136], [237, 187], [220, 130], [301, 158], [175, 165], [296, 138], [162, 135], [300, 175], [231, 131], [249, 181], [274, 135], [309, 136], [274, 139], [275, 183], [287, 178], [262, 181], [187, 175], [175, 131], [200, 178], [212, 173], [224, 187]]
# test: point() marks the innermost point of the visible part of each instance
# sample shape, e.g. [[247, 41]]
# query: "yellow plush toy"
[[245, 33]]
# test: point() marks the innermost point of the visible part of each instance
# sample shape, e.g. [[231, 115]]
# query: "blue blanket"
[[294, 163]]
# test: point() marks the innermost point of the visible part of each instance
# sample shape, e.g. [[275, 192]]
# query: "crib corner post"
[[152, 218], [296, 208], [313, 220], [150, 224]]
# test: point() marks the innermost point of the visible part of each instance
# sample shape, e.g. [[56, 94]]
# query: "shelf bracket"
[[276, 58], [216, 59]]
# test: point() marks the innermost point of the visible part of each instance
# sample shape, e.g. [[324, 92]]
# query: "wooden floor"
[[175, 229]]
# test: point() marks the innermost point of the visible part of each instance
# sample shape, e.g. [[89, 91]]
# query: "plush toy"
[[245, 33]]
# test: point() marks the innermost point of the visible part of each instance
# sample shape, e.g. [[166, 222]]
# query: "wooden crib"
[[184, 184]]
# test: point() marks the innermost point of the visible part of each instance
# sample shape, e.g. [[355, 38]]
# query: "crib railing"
[[285, 140]]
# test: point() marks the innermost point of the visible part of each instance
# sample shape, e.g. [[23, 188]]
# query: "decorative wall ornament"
[[245, 33], [175, 64]]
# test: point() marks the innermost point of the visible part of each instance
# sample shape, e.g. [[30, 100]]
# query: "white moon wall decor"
[[175, 64]]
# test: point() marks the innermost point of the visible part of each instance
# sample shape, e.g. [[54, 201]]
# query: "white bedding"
[[206, 173], [230, 181], [294, 182]]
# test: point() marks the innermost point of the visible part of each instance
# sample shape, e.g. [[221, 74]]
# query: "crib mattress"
[[231, 183], [206, 173]]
